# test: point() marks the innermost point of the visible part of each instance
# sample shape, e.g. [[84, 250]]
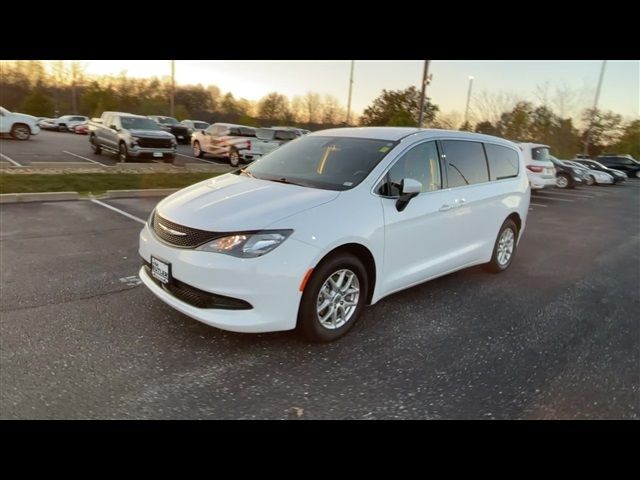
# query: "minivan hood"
[[232, 202]]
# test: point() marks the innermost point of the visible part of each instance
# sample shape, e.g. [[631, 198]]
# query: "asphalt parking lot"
[[53, 147], [555, 337]]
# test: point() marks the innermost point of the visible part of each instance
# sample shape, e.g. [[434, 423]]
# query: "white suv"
[[311, 233], [19, 125], [540, 169]]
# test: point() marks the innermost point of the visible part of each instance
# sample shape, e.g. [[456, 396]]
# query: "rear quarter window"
[[503, 162]]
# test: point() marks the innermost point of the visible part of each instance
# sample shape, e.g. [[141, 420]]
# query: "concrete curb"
[[38, 197], [151, 192]]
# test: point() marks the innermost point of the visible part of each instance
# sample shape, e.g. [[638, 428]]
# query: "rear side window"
[[466, 163], [540, 153], [503, 161]]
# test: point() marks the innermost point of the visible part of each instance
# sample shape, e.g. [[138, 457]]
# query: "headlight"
[[247, 245]]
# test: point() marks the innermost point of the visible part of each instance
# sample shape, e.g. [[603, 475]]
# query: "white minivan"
[[311, 233], [540, 169]]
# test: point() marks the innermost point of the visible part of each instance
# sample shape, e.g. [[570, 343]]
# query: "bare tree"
[[487, 106], [448, 121], [297, 108], [332, 111], [564, 100], [312, 105], [541, 93]]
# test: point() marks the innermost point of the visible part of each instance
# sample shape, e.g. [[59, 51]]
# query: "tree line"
[[65, 88]]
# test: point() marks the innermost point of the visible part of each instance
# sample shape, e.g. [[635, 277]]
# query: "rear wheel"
[[123, 155], [563, 181], [234, 157], [197, 151], [333, 298], [504, 248], [637, 173], [20, 131], [94, 145]]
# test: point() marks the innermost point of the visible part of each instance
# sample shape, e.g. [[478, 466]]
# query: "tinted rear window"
[[503, 161], [539, 153], [466, 163]]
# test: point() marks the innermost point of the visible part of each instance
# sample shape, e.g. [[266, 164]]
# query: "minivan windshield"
[[135, 123], [330, 163]]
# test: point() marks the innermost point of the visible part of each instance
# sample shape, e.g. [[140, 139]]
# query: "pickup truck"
[[131, 136], [171, 125], [267, 140], [224, 140], [19, 125]]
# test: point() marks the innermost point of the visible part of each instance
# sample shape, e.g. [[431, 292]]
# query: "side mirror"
[[113, 127], [204, 132], [410, 188]]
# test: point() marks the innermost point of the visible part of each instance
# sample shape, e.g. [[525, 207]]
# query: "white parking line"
[[10, 160], [555, 199], [85, 158], [538, 205], [121, 212], [196, 158], [566, 194]]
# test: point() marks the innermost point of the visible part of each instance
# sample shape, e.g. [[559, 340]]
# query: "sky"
[[448, 89]]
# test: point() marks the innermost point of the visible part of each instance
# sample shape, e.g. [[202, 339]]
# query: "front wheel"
[[197, 151], [94, 145], [333, 298], [123, 155], [234, 157], [168, 158], [637, 173], [62, 128], [20, 131], [590, 180], [504, 248]]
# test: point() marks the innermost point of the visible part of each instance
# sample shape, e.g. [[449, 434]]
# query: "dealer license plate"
[[160, 270]]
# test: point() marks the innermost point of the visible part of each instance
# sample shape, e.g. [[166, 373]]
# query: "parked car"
[[171, 125], [19, 125], [82, 129], [193, 125], [299, 131], [567, 176], [591, 176], [223, 140], [64, 123], [310, 234], [267, 140], [617, 175], [540, 170], [625, 163], [131, 136]]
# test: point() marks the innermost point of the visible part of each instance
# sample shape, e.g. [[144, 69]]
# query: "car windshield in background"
[[331, 163], [200, 125], [168, 121], [133, 123], [540, 153]]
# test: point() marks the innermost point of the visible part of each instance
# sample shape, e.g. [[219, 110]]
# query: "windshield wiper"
[[284, 180], [247, 173]]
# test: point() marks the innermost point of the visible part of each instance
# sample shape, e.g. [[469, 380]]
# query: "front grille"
[[196, 297], [179, 130], [154, 142], [193, 237]]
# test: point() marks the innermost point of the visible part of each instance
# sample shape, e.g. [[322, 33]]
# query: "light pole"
[[350, 89], [593, 111], [466, 111], [423, 93], [173, 84]]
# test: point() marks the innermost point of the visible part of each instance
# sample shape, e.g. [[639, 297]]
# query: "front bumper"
[[149, 152], [35, 129], [608, 180], [270, 284]]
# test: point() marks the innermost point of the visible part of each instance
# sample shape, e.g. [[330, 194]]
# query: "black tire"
[[197, 151], [234, 157], [495, 266], [62, 128], [168, 158], [564, 181], [590, 180], [309, 323], [20, 131], [97, 150], [123, 155]]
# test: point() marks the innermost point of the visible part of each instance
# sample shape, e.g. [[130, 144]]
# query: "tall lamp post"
[[350, 90], [423, 93], [593, 111], [466, 111], [173, 84]]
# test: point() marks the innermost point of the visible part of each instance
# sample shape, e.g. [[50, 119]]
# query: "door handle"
[[445, 207]]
